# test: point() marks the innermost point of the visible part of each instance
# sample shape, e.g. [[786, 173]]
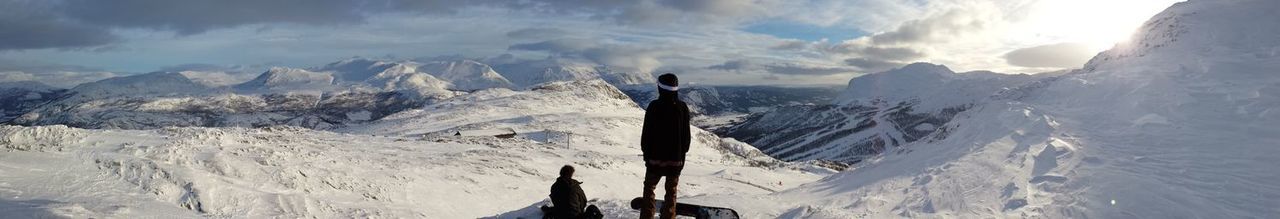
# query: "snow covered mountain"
[[149, 84], [462, 75], [289, 79], [734, 100], [876, 112], [466, 75], [529, 73], [281, 96], [1177, 123], [19, 97], [352, 90], [533, 72], [624, 78], [394, 167], [385, 75], [344, 92]]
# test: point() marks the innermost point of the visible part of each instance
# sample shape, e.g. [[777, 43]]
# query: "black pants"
[[651, 176]]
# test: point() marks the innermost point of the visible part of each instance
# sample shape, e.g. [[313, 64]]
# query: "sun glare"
[[1099, 24]]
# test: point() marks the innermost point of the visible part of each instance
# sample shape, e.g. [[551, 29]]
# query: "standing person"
[[664, 140]]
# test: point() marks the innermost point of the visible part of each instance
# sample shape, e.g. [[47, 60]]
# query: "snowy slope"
[[384, 169], [994, 165], [1184, 129], [1191, 119]]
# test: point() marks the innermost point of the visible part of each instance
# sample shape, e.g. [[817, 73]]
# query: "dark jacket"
[[567, 198], [665, 136]]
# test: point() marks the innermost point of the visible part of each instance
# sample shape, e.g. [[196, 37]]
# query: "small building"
[[498, 132]]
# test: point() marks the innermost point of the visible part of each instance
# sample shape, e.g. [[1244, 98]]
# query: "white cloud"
[[64, 76], [873, 65], [61, 79]]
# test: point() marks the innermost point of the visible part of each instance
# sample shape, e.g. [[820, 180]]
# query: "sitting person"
[[568, 200]]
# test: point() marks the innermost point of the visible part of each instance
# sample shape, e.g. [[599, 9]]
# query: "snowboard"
[[692, 210]]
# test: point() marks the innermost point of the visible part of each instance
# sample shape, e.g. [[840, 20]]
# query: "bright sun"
[[1099, 24]]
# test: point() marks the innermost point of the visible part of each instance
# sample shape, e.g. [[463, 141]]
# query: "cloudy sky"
[[778, 42]]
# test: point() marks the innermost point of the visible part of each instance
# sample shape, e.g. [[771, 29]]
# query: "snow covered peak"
[[1190, 34], [621, 78], [156, 83], [923, 68], [897, 84], [292, 79], [466, 74], [933, 86], [405, 76], [585, 88], [535, 72], [386, 75], [355, 69]]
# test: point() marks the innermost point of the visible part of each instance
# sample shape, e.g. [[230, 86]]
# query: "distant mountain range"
[[340, 93], [736, 100]]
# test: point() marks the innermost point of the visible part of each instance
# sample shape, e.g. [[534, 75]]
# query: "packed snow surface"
[[1179, 122]]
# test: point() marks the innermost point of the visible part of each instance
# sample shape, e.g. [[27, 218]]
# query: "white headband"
[[668, 88]]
